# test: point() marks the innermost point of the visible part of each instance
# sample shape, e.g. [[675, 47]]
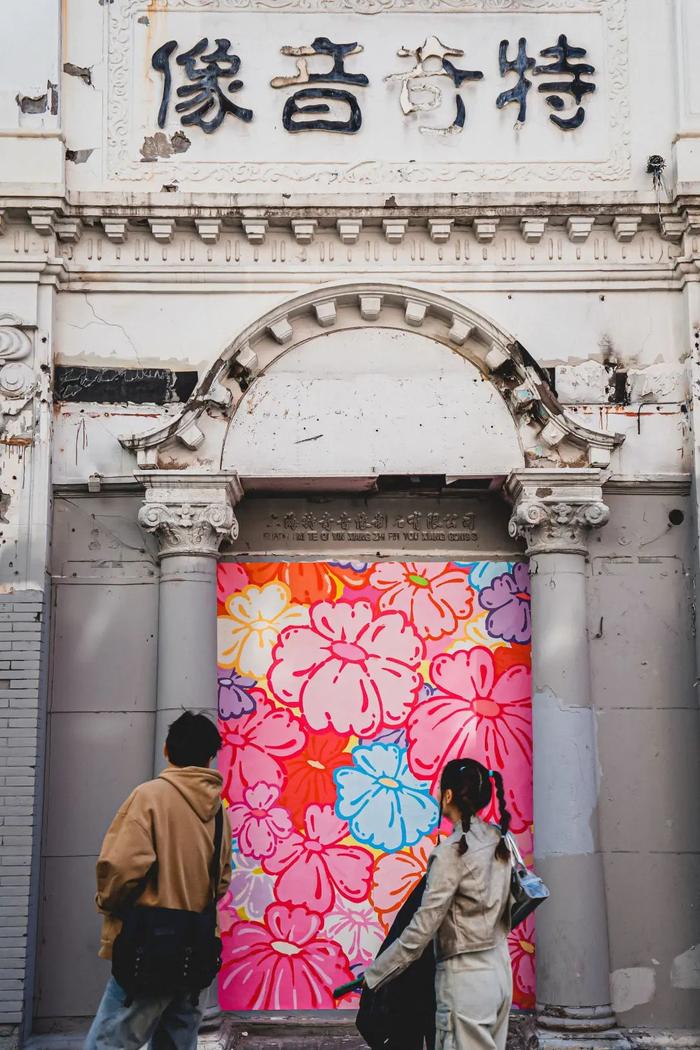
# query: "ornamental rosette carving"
[[556, 527], [189, 528]]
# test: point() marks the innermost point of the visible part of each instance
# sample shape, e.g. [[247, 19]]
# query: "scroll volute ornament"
[[187, 528], [556, 527], [17, 378]]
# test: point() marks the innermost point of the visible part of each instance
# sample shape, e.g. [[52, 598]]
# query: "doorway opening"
[[344, 686]]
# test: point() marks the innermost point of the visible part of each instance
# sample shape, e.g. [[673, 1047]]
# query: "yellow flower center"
[[420, 581], [285, 948], [388, 782], [527, 947], [315, 764]]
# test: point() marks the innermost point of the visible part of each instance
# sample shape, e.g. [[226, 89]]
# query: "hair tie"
[[492, 773]]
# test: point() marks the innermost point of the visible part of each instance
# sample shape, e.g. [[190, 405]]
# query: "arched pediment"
[[365, 354]]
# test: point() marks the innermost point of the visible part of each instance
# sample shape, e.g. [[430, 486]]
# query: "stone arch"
[[542, 434]]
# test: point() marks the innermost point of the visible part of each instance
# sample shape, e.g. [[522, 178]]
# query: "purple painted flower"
[[387, 736], [235, 698], [507, 600]]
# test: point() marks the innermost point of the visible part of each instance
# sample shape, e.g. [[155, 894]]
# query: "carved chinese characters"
[[324, 90], [314, 100], [205, 101], [433, 60]]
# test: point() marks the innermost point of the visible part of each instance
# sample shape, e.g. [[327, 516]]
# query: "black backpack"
[[169, 951]]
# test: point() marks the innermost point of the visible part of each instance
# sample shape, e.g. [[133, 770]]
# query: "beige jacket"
[[466, 904], [163, 834]]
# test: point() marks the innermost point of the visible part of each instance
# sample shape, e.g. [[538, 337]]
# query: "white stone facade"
[[514, 308]]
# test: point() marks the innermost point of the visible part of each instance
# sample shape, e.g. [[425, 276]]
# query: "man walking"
[[158, 852]]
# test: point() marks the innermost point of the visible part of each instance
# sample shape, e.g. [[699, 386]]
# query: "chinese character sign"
[[323, 93], [344, 688]]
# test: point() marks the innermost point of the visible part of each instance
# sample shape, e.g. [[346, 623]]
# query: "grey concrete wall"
[[100, 728], [641, 621]]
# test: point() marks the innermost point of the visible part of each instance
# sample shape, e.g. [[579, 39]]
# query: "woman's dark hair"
[[192, 740], [470, 784]]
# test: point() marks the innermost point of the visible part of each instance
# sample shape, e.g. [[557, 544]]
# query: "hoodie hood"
[[201, 788]]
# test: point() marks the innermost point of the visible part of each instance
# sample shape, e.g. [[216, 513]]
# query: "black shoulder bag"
[[169, 951]]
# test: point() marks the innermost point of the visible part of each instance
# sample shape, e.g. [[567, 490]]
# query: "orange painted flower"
[[310, 774], [308, 581], [395, 877]]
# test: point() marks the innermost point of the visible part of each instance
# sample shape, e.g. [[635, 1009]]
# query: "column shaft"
[[572, 942], [554, 510], [186, 641]]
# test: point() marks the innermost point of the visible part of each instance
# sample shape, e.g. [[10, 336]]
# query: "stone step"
[[252, 1033]]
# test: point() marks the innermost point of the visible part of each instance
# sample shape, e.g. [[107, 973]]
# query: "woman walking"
[[466, 907]]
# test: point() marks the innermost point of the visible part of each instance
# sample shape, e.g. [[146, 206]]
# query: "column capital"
[[190, 513], [553, 510]]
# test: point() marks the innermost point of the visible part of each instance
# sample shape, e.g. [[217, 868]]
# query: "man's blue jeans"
[[164, 1023]]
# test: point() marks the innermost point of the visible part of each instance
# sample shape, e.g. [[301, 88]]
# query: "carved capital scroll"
[[553, 511], [189, 513]]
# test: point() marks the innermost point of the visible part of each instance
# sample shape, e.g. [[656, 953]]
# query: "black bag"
[[401, 1014], [169, 951]]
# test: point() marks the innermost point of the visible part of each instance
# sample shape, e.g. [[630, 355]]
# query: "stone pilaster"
[[554, 512], [191, 514]]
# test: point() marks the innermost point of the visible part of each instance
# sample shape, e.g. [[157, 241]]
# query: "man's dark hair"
[[192, 740]]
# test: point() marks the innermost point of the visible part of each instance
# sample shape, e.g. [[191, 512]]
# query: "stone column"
[[554, 510], [190, 514]]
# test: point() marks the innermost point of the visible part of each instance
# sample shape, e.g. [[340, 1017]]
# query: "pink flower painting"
[[313, 868], [255, 745], [433, 596], [349, 670], [343, 688], [476, 713], [257, 822], [283, 963]]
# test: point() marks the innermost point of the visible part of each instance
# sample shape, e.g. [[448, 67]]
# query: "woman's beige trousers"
[[474, 994]]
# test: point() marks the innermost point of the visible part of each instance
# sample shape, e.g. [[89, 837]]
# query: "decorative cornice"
[[553, 511], [189, 513]]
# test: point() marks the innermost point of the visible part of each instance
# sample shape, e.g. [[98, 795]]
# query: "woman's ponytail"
[[502, 851]]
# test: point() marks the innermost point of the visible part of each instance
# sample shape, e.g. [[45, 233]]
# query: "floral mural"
[[344, 687]]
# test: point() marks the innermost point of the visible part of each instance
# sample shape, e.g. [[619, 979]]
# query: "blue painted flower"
[[483, 573], [384, 804], [235, 699]]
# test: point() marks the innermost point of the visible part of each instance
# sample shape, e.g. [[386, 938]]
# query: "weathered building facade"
[[347, 282]]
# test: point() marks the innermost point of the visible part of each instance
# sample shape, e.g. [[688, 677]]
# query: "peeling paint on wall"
[[159, 145], [41, 103], [83, 73], [685, 971], [632, 987], [79, 156]]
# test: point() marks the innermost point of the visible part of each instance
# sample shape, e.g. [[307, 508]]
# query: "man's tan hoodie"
[[163, 834]]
